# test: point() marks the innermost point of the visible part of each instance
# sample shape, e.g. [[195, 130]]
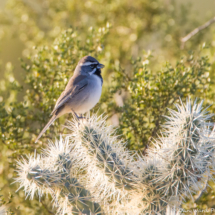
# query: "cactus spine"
[[92, 172], [52, 174]]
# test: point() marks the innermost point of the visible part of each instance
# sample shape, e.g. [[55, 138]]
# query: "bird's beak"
[[100, 66]]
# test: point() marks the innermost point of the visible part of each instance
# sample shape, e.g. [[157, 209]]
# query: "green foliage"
[[61, 32], [143, 24], [47, 73], [4, 204], [148, 93]]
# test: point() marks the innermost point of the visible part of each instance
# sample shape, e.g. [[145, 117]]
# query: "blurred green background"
[[139, 84]]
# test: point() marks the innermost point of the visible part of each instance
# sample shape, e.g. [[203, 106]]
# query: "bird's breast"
[[92, 95]]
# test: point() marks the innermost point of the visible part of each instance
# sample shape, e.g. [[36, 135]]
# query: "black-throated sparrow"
[[82, 92]]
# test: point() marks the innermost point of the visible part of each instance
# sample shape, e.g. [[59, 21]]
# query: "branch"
[[196, 30]]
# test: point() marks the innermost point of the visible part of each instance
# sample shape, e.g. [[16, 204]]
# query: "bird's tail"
[[46, 127]]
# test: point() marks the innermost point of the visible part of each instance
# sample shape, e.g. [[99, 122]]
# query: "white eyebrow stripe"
[[87, 63]]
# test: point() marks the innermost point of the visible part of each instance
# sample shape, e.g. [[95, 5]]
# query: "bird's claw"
[[79, 117]]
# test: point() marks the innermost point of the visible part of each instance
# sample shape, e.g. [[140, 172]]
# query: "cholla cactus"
[[55, 173], [111, 169], [3, 210], [185, 151], [91, 171]]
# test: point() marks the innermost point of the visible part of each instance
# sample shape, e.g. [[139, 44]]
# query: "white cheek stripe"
[[93, 71], [87, 63]]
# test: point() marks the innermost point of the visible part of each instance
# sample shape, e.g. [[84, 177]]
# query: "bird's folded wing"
[[70, 93]]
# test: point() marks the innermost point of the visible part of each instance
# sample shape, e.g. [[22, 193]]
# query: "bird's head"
[[89, 65]]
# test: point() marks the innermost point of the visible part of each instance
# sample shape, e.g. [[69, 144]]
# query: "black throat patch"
[[98, 73]]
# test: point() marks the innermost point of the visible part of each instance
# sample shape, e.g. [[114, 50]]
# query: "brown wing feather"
[[74, 86]]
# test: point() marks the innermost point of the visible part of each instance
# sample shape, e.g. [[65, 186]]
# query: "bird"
[[82, 92]]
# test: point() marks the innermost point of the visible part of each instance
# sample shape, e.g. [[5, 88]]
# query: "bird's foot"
[[79, 117]]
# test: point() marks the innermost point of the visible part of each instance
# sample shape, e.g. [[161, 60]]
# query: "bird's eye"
[[92, 66]]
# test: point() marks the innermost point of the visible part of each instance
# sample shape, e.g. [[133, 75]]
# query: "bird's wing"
[[74, 87]]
